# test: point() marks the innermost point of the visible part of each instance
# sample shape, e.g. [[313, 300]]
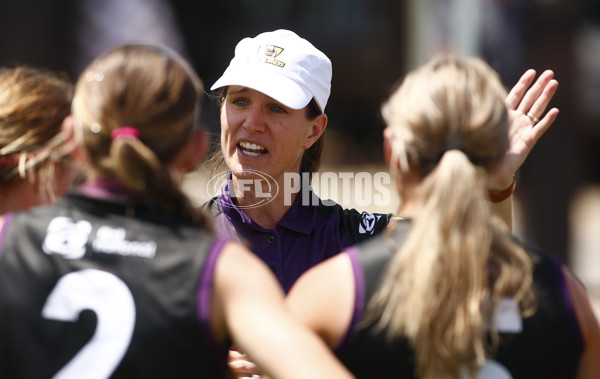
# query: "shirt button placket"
[[275, 263]]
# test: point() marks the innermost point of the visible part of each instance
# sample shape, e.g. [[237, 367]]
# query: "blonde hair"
[[33, 104], [449, 122], [155, 91]]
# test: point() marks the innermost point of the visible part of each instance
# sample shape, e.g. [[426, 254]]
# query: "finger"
[[544, 124], [532, 95], [234, 355], [243, 367], [518, 91], [538, 108]]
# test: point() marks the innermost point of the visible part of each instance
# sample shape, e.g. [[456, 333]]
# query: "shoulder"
[[241, 281], [546, 267], [356, 225], [588, 324], [373, 255], [33, 218], [323, 298]]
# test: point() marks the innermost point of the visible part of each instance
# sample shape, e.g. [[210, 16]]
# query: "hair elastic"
[[448, 147], [477, 161], [454, 146], [9, 161], [125, 132]]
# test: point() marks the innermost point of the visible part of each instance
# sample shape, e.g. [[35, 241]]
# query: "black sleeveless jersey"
[[91, 288], [547, 345]]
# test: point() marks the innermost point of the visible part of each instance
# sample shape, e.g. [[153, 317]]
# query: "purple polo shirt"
[[305, 236]]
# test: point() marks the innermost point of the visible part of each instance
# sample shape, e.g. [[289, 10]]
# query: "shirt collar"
[[299, 217], [232, 211]]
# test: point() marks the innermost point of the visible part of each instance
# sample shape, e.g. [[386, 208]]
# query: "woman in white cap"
[[448, 292], [272, 103], [272, 97]]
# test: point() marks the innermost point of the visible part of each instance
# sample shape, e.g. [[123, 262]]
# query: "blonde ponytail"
[[457, 256], [436, 283]]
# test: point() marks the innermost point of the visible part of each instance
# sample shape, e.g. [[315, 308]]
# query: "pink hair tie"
[[124, 132], [9, 161]]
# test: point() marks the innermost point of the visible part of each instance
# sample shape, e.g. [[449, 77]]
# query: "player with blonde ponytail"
[[448, 292]]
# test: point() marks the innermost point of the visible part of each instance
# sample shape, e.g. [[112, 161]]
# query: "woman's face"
[[259, 133]]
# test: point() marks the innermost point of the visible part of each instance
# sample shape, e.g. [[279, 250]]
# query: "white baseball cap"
[[281, 65]]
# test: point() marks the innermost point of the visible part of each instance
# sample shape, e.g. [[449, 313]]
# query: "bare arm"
[[524, 131], [251, 303], [589, 365], [323, 298]]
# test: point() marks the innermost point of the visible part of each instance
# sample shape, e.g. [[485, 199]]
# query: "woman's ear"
[[193, 152], [74, 139], [68, 129], [317, 129], [387, 145], [200, 139], [391, 158]]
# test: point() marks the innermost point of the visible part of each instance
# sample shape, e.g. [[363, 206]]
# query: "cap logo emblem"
[[271, 52]]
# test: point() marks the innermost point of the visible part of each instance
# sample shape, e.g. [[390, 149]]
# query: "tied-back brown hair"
[[155, 91], [449, 124], [311, 159], [33, 104]]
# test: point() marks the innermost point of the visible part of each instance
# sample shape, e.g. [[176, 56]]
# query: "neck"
[[408, 190], [18, 196], [408, 210]]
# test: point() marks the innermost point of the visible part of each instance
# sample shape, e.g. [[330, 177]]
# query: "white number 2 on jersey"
[[111, 300]]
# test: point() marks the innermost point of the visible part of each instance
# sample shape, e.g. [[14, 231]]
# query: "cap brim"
[[277, 86]]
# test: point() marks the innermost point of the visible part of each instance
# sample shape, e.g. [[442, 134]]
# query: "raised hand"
[[528, 123]]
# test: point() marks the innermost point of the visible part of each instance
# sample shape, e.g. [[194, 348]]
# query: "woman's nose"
[[254, 120]]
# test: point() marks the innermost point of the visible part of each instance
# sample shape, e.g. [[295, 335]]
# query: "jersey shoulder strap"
[[374, 254]]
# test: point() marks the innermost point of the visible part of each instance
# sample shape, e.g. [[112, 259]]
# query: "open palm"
[[525, 107]]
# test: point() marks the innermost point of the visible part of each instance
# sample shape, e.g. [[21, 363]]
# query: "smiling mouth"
[[251, 149]]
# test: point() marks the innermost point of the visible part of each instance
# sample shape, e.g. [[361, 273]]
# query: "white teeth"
[[251, 146]]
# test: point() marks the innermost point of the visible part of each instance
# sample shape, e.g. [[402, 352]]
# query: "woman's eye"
[[277, 109], [239, 102]]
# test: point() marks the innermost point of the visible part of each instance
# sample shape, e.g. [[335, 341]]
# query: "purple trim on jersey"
[[205, 291], [106, 189], [7, 219], [570, 308], [359, 298]]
